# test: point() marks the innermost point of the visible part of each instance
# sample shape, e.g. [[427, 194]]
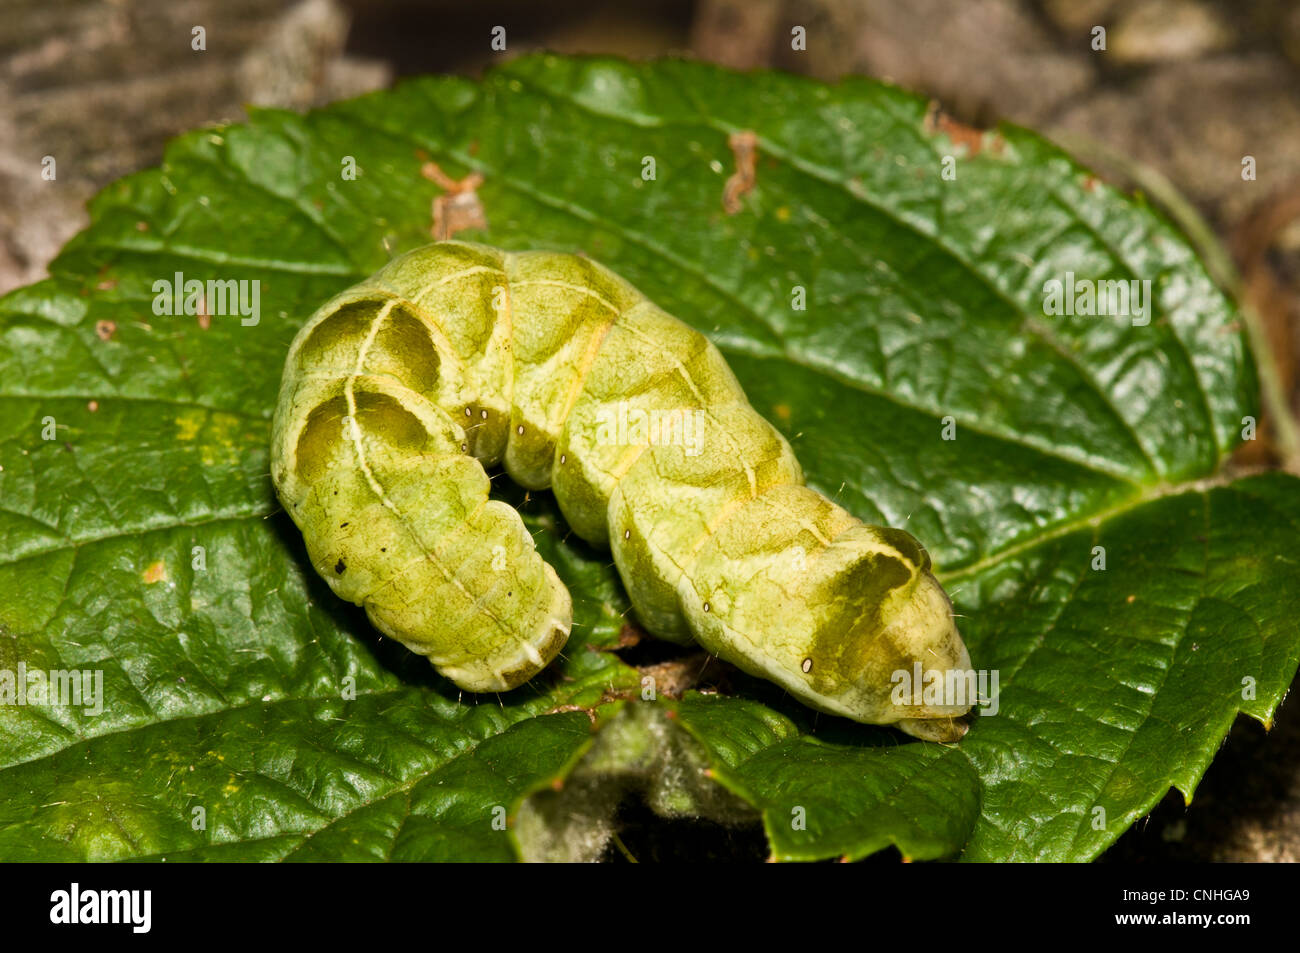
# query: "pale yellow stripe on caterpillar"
[[585, 360], [456, 276], [593, 346], [626, 462], [558, 336], [441, 341], [569, 286], [798, 519], [349, 393], [588, 356], [703, 406], [506, 314], [736, 505]]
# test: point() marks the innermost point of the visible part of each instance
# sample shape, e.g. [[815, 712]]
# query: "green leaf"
[[234, 682]]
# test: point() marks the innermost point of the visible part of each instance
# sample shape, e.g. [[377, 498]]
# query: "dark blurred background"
[[1184, 90]]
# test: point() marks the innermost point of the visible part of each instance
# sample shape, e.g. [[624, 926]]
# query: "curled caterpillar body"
[[455, 357]]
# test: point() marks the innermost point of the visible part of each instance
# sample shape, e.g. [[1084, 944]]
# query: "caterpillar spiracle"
[[400, 391]]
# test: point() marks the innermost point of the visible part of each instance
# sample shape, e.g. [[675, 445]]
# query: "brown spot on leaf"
[[744, 149], [155, 572], [92, 406], [937, 122], [105, 329], [459, 207], [782, 411]]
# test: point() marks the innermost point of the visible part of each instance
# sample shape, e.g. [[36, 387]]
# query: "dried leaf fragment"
[[744, 149], [459, 207]]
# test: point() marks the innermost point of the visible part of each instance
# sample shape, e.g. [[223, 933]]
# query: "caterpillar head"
[[922, 628], [886, 649]]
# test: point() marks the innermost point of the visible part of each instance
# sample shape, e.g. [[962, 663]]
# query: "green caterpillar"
[[455, 357]]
